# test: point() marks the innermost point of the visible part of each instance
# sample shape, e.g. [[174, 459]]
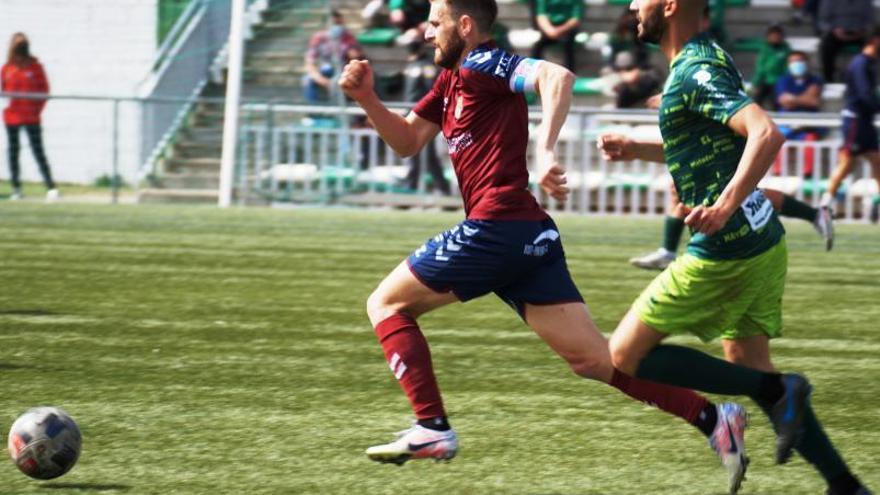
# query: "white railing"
[[304, 162]]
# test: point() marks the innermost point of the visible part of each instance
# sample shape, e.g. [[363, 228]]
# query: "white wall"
[[88, 47]]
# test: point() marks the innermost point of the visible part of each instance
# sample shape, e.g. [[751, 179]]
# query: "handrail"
[[164, 50]]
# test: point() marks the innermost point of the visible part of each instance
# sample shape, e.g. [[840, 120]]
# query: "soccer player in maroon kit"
[[507, 244]]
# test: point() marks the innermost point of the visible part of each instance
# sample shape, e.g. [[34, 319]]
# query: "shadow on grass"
[[27, 312], [97, 487], [10, 366]]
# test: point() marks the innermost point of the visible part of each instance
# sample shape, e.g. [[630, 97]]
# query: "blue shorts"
[[859, 135], [520, 261]]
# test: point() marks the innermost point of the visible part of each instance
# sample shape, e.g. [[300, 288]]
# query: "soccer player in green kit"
[[718, 144]]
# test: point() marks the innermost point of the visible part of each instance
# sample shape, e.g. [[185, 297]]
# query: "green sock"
[[675, 365], [816, 447], [672, 229], [797, 209]]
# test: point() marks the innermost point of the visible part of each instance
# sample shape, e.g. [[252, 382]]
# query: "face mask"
[[797, 69], [336, 31], [21, 49]]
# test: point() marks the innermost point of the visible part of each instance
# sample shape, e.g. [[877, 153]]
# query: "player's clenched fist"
[[616, 147], [357, 80]]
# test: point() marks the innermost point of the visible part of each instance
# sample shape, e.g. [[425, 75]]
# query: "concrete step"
[[203, 181], [211, 119], [202, 134], [156, 195], [273, 59], [199, 165], [195, 149]]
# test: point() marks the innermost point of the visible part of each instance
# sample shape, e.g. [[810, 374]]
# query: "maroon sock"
[[406, 351], [684, 403]]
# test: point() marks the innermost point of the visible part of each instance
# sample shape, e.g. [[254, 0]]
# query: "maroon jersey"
[[483, 115]]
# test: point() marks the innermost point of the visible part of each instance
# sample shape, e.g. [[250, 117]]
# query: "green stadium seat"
[[378, 36], [816, 188], [318, 123], [588, 86]]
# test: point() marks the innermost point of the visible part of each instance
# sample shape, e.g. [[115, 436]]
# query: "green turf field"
[[207, 351]]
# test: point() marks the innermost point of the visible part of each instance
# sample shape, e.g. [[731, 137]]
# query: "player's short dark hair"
[[874, 34], [799, 53], [483, 12]]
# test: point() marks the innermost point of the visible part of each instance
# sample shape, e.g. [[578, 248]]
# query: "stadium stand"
[[274, 69]]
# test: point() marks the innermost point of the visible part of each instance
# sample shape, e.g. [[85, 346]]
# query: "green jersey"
[[703, 91]]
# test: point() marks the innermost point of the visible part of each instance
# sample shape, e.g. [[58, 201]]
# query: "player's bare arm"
[[554, 85], [406, 135], [763, 141], [617, 147]]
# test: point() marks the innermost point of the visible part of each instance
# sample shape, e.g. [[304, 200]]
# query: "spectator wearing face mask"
[[770, 66], [23, 73], [800, 90], [327, 50]]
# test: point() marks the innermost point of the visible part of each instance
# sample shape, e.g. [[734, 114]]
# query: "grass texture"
[[208, 351]]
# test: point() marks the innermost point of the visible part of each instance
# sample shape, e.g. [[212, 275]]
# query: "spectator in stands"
[[714, 16], [558, 21], [637, 83], [770, 66], [842, 23], [799, 90], [328, 50], [410, 16], [22, 73], [859, 131], [418, 79], [624, 38]]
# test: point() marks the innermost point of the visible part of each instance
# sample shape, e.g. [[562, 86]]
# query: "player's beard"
[[448, 56], [652, 28]]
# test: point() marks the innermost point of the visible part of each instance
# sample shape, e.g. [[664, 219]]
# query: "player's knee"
[[379, 307], [623, 360], [593, 367]]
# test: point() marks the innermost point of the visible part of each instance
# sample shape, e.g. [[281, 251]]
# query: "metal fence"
[[304, 155]]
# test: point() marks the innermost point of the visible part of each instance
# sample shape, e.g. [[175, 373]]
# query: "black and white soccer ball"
[[44, 442]]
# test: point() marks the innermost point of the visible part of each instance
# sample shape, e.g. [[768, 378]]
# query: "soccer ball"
[[44, 442]]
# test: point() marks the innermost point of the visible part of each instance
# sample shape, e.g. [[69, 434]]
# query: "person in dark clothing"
[[24, 74], [842, 23], [770, 66], [637, 83], [558, 21], [418, 78], [859, 132]]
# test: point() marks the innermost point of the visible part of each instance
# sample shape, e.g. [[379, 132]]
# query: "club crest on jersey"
[[459, 105]]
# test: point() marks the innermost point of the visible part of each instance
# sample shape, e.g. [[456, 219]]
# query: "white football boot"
[[53, 195], [417, 442], [655, 260], [728, 441]]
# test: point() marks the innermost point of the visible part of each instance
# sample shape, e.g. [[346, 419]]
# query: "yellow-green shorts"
[[730, 299]]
